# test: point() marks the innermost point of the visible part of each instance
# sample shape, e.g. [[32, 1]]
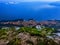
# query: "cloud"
[[11, 3], [43, 6], [48, 6], [55, 4]]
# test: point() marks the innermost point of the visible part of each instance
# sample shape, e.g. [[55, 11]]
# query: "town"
[[30, 22]]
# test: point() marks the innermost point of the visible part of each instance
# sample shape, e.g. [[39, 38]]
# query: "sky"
[[28, 0], [41, 10]]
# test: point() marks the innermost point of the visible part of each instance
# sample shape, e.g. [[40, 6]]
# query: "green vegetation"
[[3, 33], [15, 41], [40, 35], [34, 31]]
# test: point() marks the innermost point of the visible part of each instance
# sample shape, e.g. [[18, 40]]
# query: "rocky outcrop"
[[27, 39]]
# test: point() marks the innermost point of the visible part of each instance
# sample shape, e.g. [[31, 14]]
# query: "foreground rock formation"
[[27, 36]]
